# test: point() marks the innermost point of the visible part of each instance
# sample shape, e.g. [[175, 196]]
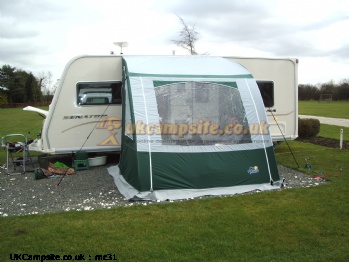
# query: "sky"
[[41, 36]]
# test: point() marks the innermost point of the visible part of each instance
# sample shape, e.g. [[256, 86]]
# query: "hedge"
[[308, 127]]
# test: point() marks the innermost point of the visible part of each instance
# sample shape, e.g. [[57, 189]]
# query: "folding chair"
[[17, 153]]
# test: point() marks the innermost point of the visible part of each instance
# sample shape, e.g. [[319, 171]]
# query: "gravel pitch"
[[86, 190]]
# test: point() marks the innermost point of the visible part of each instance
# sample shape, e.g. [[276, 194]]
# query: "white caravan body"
[[85, 113], [277, 79]]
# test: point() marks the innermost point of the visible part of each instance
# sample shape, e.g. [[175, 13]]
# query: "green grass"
[[333, 132], [327, 109], [18, 121], [303, 224], [300, 224]]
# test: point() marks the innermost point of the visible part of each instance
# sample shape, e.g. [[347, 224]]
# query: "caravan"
[[86, 111], [186, 126]]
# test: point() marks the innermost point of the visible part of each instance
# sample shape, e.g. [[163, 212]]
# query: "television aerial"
[[121, 44]]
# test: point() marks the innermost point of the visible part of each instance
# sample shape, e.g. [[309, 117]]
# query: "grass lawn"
[[327, 109], [333, 132], [300, 224], [18, 121]]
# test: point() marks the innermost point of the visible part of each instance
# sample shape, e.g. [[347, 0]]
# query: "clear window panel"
[[201, 113]]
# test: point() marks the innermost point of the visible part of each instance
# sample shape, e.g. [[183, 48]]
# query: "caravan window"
[[267, 91], [98, 93]]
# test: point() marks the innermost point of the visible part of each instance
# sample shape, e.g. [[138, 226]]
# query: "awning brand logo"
[[253, 170]]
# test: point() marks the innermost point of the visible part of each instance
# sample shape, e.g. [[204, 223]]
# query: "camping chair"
[[19, 149]]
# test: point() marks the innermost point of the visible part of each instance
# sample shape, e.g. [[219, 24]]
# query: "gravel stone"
[[88, 190]]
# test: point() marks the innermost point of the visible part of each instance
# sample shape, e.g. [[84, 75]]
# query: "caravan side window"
[[98, 93], [267, 91]]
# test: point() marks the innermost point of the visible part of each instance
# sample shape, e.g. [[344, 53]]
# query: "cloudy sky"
[[43, 35]]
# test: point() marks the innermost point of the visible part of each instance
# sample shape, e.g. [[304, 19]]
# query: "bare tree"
[[45, 82], [187, 37]]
